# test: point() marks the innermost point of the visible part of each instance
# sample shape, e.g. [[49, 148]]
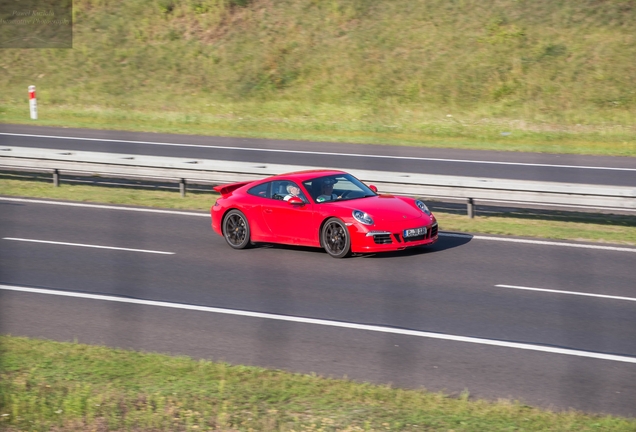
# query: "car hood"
[[385, 208]]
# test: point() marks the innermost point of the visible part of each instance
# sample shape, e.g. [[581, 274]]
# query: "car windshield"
[[339, 187]]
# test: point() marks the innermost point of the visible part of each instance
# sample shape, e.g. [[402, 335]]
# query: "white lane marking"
[[329, 323], [325, 153], [106, 207], [87, 245], [567, 292], [207, 215], [540, 242]]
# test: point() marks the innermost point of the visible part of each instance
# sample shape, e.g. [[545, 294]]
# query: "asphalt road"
[[618, 171], [544, 348]]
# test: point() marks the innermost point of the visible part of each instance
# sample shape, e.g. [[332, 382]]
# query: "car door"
[[289, 223], [253, 209]]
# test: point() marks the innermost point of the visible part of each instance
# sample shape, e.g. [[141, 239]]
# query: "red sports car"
[[322, 208]]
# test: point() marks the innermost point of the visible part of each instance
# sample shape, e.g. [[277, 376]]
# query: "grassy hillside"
[[551, 75]]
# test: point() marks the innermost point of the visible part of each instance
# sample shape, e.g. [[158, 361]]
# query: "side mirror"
[[373, 188], [295, 201]]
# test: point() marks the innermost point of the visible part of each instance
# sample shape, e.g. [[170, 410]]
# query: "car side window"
[[260, 190], [293, 190], [309, 186], [279, 189]]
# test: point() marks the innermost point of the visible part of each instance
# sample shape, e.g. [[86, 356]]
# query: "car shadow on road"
[[287, 247], [447, 240]]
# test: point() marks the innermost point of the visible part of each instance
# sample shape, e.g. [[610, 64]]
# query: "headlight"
[[422, 207], [362, 217]]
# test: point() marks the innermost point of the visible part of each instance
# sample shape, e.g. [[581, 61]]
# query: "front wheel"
[[335, 238], [236, 229]]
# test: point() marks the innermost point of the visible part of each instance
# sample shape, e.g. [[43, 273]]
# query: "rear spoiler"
[[227, 189]]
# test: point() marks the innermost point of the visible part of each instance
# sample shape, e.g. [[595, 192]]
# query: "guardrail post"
[[471, 208], [182, 188], [56, 178]]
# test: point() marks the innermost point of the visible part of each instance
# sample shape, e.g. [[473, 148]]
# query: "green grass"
[[153, 197], [555, 225], [558, 76], [73, 387]]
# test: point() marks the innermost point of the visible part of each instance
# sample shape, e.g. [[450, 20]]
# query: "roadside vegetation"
[[606, 228], [69, 387], [512, 75]]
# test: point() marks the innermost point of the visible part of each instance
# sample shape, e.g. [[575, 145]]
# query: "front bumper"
[[390, 240]]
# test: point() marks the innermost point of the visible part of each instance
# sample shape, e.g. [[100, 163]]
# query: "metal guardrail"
[[205, 171]]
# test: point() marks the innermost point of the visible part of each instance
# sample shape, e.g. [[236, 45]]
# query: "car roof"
[[308, 174]]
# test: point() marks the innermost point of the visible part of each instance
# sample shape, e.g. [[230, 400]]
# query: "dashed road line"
[[87, 245], [540, 242], [567, 292]]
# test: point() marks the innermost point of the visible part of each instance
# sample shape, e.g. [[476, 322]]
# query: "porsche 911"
[[328, 209]]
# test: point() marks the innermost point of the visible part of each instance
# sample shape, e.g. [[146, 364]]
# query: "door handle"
[[268, 210]]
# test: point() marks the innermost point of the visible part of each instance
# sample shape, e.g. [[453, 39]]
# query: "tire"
[[236, 229], [335, 238]]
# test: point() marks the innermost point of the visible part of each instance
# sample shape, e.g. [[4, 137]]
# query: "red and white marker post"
[[33, 103]]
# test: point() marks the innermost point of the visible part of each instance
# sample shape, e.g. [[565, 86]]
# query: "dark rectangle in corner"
[[36, 24]]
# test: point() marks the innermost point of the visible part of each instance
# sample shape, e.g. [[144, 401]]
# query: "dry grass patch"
[[71, 387]]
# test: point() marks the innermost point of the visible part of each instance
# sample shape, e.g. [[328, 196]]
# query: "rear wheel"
[[236, 229], [335, 238]]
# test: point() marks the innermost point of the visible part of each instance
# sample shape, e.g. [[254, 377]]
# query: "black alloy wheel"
[[335, 238], [236, 229]]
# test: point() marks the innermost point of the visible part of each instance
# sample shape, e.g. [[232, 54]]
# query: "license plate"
[[414, 232]]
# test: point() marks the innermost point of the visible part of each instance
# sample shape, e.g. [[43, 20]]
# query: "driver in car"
[[326, 190]]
